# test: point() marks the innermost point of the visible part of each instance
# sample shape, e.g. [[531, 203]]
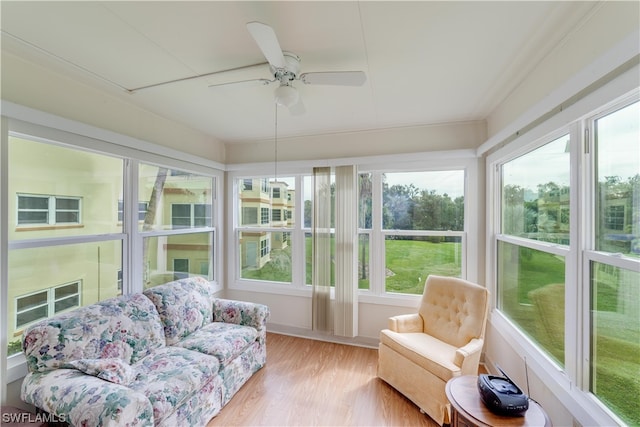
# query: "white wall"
[[607, 26], [413, 139]]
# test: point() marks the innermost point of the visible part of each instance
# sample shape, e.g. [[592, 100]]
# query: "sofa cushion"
[[184, 305], [111, 369], [425, 351], [225, 341], [127, 327], [172, 375]]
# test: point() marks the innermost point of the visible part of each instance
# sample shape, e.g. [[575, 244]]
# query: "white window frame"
[[49, 303], [437, 161], [48, 128], [572, 383], [52, 210]]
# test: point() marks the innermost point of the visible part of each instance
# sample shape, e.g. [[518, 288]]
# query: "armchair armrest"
[[241, 313], [468, 356], [80, 399], [406, 323]]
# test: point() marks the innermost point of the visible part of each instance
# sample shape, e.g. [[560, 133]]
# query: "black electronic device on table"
[[501, 395]]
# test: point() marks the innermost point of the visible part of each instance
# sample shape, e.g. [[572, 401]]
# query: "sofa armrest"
[[241, 313], [84, 400], [406, 323], [468, 357]]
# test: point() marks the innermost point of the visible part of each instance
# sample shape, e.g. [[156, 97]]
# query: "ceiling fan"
[[285, 69]]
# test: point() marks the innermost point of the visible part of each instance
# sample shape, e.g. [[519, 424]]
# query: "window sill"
[[48, 227]]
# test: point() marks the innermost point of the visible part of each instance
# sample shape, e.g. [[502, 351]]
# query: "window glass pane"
[[165, 258], [48, 183], [363, 261], [95, 265], [272, 200], [409, 260], [617, 137], [32, 301], [181, 216], [309, 258], [364, 200], [535, 198], [531, 294], [265, 256], [160, 189], [615, 339], [432, 200]]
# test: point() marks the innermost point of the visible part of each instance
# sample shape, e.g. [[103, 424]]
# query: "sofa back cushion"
[[126, 327], [184, 305]]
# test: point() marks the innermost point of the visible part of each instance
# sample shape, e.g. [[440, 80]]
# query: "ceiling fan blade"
[[254, 81], [338, 78], [267, 41]]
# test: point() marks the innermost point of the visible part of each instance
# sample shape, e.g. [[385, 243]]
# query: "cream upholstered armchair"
[[420, 352]]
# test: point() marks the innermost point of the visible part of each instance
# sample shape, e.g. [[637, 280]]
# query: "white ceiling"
[[426, 62]]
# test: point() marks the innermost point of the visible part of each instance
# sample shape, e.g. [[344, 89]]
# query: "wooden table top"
[[464, 397]]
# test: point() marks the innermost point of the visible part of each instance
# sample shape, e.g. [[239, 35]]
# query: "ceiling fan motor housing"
[[290, 72]]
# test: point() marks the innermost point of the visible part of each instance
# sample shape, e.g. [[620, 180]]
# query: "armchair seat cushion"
[[425, 351], [225, 341]]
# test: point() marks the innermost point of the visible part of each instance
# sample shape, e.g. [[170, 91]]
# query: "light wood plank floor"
[[313, 383]]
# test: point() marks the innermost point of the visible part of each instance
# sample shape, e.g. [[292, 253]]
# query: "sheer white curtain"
[[342, 316], [346, 286], [321, 223]]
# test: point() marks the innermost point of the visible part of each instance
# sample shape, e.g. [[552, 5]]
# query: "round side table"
[[468, 410]]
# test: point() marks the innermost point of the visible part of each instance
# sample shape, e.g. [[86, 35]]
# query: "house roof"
[[426, 62]]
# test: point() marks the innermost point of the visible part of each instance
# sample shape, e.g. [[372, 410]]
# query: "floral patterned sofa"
[[173, 355]]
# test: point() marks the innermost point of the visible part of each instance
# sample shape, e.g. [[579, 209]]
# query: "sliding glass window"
[[613, 261], [567, 253], [177, 227], [65, 239], [266, 219]]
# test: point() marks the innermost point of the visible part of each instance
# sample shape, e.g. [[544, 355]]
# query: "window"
[[614, 261], [177, 229], [91, 254], [264, 249], [77, 237], [555, 263], [248, 184], [142, 210], [42, 304], [50, 210], [531, 275], [190, 215], [421, 222]]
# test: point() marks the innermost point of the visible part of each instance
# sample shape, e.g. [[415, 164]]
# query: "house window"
[[531, 275], [178, 231], [51, 210], [420, 218], [262, 254], [45, 303], [264, 215], [190, 215], [562, 271], [264, 248], [248, 184], [142, 210], [249, 216]]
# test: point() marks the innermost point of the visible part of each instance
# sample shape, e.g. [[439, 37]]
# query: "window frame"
[[465, 160], [50, 302], [52, 211], [50, 129], [573, 381]]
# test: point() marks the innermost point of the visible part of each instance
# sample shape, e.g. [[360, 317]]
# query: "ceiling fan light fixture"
[[286, 95]]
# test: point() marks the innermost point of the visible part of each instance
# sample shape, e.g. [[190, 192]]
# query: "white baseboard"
[[321, 336]]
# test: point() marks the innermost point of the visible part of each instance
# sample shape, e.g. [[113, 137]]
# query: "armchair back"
[[454, 310]]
